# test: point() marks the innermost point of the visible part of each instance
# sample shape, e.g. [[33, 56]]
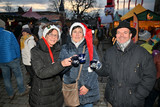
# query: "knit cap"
[[26, 30], [144, 35]]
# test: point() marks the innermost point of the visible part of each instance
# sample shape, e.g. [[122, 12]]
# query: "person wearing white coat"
[[27, 43]]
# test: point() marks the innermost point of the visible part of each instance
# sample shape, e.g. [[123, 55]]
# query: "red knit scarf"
[[50, 52]]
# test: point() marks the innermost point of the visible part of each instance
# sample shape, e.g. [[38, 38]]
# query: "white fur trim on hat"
[[50, 27], [77, 24]]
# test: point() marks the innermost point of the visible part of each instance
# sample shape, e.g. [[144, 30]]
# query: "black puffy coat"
[[47, 85], [131, 74]]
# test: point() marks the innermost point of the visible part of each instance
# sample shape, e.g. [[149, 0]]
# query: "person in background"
[[88, 82], [17, 30], [151, 98], [145, 40], [27, 42], [30, 26], [46, 89], [65, 36], [130, 69], [10, 61], [35, 30], [19, 37]]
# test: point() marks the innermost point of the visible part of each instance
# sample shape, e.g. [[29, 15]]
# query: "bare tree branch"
[[54, 5], [80, 6]]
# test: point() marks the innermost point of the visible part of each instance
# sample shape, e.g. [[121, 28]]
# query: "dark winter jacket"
[[131, 74], [46, 86], [88, 79]]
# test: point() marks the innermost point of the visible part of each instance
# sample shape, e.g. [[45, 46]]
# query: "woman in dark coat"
[[46, 86]]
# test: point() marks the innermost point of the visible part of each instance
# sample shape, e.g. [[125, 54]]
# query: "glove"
[[94, 65]]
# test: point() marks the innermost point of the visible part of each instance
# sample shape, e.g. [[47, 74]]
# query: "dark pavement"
[[22, 101]]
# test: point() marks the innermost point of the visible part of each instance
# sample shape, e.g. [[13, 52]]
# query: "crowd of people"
[[48, 54]]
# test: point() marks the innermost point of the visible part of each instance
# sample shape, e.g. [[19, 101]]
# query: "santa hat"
[[87, 35], [50, 27]]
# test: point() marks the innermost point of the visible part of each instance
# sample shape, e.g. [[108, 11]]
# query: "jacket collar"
[[78, 43], [130, 45], [81, 44], [42, 46]]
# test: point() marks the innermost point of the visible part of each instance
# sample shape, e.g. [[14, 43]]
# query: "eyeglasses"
[[52, 35]]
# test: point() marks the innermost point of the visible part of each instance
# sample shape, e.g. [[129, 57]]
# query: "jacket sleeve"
[[90, 83], [148, 77], [96, 57], [43, 70], [105, 67]]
